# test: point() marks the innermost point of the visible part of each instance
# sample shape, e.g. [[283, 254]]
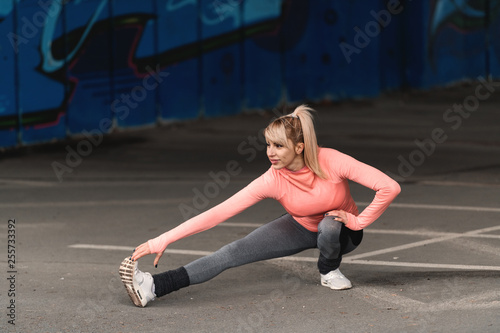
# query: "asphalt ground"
[[431, 263]]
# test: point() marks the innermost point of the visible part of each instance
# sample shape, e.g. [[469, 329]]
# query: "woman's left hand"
[[338, 215]]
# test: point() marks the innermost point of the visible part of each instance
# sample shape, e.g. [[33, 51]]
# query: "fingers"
[[141, 251], [338, 215], [157, 259], [333, 213], [338, 219]]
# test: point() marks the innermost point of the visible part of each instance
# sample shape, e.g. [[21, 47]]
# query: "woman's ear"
[[299, 148]]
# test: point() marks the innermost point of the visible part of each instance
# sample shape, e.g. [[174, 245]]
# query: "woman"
[[310, 182]]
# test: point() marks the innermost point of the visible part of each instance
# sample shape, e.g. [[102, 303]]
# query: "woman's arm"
[[386, 190], [245, 198]]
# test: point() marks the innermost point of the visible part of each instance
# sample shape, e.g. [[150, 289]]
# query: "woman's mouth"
[[274, 161]]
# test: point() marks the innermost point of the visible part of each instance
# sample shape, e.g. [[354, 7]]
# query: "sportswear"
[[335, 280], [139, 285], [304, 195]]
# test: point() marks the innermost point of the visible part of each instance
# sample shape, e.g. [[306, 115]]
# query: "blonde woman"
[[311, 183]]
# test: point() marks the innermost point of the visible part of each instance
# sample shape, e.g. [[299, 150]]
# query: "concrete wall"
[[73, 67]]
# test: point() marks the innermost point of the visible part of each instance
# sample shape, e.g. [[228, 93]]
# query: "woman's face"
[[284, 157]]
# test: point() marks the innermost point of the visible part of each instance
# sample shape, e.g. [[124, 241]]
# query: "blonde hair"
[[297, 126]]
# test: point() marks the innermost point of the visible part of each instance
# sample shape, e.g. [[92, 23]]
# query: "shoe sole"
[[127, 269]]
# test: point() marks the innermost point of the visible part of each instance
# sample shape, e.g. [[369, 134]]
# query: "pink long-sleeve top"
[[305, 196]]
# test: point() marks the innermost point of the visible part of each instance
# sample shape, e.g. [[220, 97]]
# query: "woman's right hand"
[[143, 250]]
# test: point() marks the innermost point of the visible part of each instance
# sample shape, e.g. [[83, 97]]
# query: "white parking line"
[[420, 233], [346, 260], [128, 202], [16, 183], [440, 207], [455, 183], [89, 203], [422, 243], [102, 247], [130, 249]]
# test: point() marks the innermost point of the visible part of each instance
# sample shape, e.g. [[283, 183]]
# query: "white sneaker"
[[139, 285], [335, 280]]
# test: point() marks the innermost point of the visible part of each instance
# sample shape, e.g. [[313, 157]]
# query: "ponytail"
[[298, 126], [304, 114]]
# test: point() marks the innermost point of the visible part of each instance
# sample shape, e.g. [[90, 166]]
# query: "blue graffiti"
[[214, 12], [71, 59], [173, 5], [468, 21], [6, 8], [49, 63], [445, 9]]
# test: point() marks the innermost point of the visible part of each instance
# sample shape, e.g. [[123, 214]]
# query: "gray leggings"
[[281, 237]]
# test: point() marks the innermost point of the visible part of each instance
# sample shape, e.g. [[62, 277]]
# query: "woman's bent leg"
[[334, 240], [279, 238]]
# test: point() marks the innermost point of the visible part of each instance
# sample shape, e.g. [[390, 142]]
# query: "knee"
[[329, 229], [329, 232], [230, 253]]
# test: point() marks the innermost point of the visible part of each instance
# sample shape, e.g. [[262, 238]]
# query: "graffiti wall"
[[77, 67], [461, 40]]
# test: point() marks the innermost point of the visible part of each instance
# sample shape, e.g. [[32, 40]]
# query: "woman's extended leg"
[[281, 237]]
